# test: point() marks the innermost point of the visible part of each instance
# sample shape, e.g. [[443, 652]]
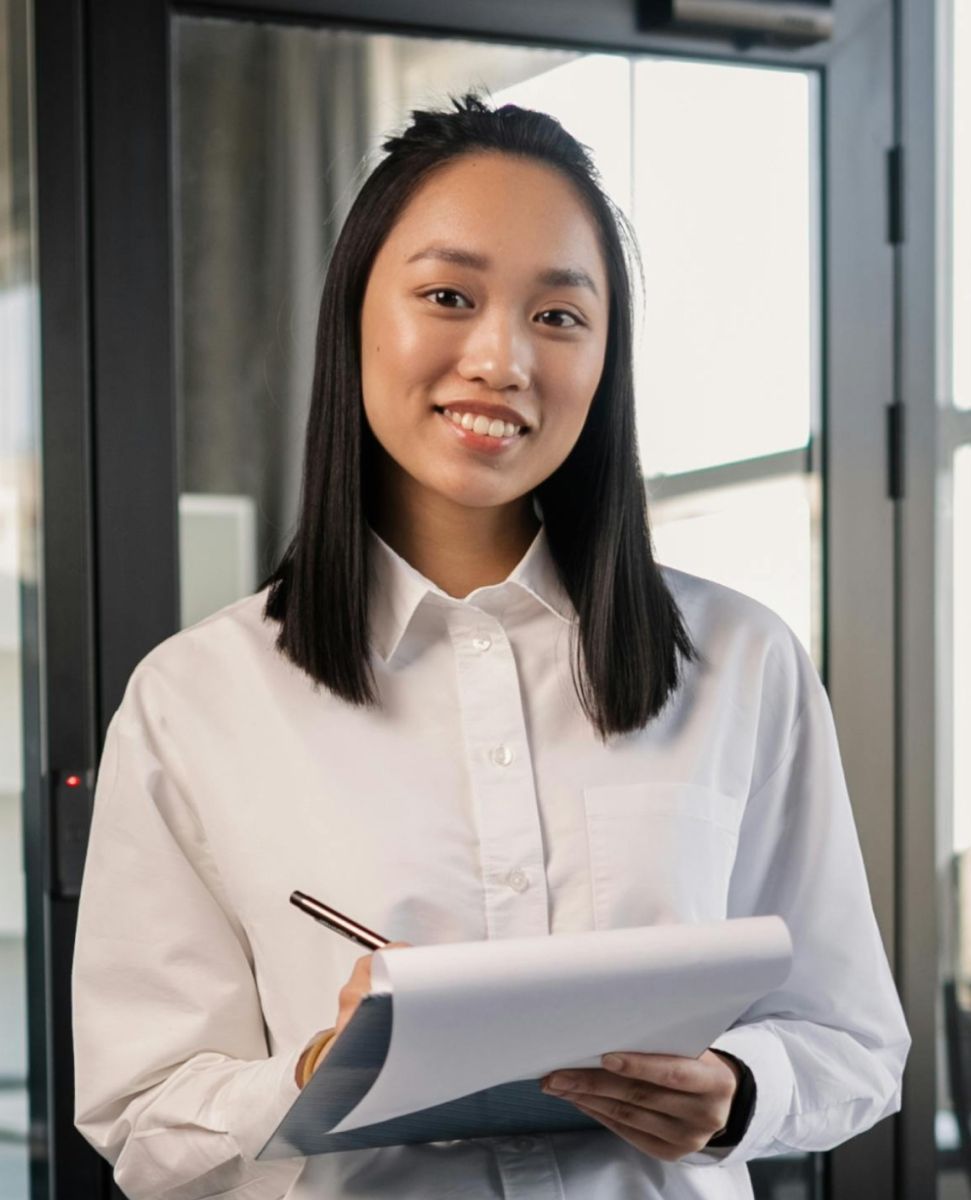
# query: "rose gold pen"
[[338, 922]]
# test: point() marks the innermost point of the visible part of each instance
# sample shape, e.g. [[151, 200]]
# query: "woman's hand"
[[357, 987], [350, 996], [664, 1105]]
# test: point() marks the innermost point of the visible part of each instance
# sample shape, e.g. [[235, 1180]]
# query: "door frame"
[[111, 479]]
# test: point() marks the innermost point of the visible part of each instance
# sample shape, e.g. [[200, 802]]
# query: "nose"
[[497, 353]]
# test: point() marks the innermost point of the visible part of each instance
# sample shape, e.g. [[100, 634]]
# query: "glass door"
[[717, 166]]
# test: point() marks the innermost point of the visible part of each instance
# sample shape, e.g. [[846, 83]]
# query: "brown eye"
[[561, 312], [444, 292]]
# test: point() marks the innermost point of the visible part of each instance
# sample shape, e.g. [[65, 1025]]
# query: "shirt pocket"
[[660, 852]]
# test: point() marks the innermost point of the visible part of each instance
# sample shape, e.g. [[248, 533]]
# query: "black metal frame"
[[66, 641], [109, 450], [922, 390]]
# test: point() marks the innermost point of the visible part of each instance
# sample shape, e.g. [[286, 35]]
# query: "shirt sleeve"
[[174, 1084], [827, 1049]]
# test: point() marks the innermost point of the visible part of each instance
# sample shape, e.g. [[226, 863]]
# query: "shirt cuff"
[[256, 1100], [764, 1055]]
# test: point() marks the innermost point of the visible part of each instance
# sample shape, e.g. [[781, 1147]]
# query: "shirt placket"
[[500, 776], [504, 799]]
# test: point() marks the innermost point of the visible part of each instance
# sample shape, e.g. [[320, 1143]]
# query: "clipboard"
[[453, 1039]]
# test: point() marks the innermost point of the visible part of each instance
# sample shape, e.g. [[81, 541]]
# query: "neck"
[[458, 548]]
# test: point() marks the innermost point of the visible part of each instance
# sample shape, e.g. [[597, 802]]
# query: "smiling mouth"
[[520, 432]]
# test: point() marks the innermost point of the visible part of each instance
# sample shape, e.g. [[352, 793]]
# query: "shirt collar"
[[398, 589]]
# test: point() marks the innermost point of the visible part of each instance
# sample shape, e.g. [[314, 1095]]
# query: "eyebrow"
[[551, 277]]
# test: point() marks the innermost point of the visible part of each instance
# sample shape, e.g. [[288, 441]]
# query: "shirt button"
[[482, 642], [518, 880], [502, 755]]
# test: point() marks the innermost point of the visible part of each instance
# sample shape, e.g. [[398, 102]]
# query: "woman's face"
[[490, 290]]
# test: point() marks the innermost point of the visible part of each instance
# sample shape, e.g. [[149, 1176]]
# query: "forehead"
[[505, 207]]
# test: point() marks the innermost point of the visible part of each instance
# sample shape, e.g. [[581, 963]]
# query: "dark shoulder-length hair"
[[630, 631]]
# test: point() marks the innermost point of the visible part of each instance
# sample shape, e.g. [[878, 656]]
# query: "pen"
[[338, 922]]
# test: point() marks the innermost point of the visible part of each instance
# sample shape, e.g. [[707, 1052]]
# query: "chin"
[[471, 497]]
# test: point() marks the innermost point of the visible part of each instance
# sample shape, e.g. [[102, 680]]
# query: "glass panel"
[[960, 164], [953, 1116], [962, 647], [19, 492], [297, 114], [724, 207], [953, 1121], [743, 535]]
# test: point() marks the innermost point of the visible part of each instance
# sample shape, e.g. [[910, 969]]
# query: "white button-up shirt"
[[476, 802]]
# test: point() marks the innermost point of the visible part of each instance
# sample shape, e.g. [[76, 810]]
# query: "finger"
[[658, 1124], [686, 1106], [647, 1143], [361, 974], [692, 1113], [356, 987], [359, 983], [665, 1070]]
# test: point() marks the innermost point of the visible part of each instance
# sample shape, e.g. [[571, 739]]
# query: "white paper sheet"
[[469, 1015]]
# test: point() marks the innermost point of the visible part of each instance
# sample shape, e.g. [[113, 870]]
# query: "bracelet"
[[317, 1048]]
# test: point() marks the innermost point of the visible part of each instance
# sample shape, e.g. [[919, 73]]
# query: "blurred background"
[[172, 180]]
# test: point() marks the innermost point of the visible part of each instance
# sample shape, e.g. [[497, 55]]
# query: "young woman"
[[469, 704]]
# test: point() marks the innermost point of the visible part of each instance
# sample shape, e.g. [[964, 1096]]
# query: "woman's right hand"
[[350, 996], [357, 987]]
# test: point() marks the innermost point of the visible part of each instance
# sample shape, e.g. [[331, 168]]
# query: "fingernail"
[[613, 1062]]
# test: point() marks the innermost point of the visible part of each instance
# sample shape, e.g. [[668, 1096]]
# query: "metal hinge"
[[895, 195], [895, 450]]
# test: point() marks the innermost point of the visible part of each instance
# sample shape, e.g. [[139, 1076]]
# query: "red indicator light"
[[73, 781]]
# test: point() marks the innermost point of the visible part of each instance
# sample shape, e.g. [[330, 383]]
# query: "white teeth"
[[482, 425]]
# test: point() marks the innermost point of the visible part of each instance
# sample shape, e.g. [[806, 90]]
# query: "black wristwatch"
[[743, 1104]]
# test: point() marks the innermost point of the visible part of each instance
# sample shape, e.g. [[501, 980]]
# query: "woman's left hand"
[[664, 1105]]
